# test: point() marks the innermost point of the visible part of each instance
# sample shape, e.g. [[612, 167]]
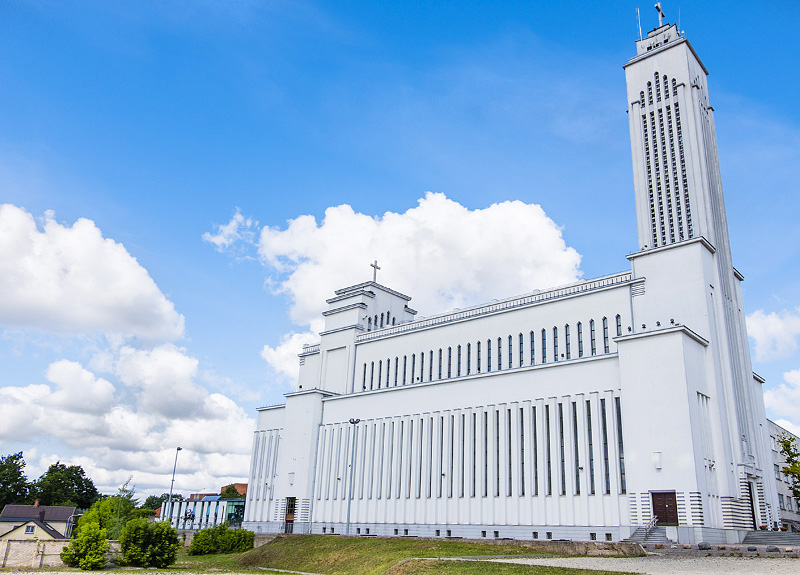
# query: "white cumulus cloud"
[[283, 357], [774, 334], [442, 254], [71, 280], [784, 400], [227, 236]]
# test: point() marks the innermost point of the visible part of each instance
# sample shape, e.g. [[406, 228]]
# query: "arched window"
[[413, 366], [430, 366], [479, 356], [381, 320], [371, 374], [658, 87], [458, 364], [592, 339], [533, 349], [422, 366], [510, 352], [605, 335], [488, 355], [674, 87], [369, 324], [619, 324], [641, 98], [567, 343], [393, 320], [666, 87], [389, 370], [555, 343], [405, 367], [499, 353], [650, 93], [580, 339], [469, 358], [380, 372], [449, 362], [440, 363], [364, 378], [521, 349], [544, 346]]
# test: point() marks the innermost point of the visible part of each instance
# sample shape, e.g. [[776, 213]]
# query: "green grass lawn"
[[372, 556]]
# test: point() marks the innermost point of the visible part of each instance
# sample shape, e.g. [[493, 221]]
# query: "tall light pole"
[[169, 504], [353, 422]]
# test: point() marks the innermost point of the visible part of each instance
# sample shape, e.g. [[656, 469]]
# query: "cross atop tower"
[[375, 267], [660, 14]]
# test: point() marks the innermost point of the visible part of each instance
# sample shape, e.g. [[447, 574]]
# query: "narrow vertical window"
[[605, 335], [430, 366], [567, 343], [380, 372], [388, 370], [364, 379], [499, 353], [449, 362], [604, 427], [413, 366], [371, 374], [591, 445], [580, 339], [396, 369], [533, 349], [488, 355], [555, 343], [381, 320], [369, 324], [458, 364], [469, 358], [548, 450], [440, 363], [510, 352], [521, 450], [509, 456], [534, 441], [622, 484], [521, 350], [575, 447], [479, 357], [619, 324], [422, 366], [544, 346], [497, 453], [562, 457], [405, 368], [485, 454], [592, 338]]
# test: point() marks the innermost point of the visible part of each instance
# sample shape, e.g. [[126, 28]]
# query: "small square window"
[[367, 530], [29, 529], [496, 534], [483, 533], [449, 533], [593, 536], [438, 533], [358, 530], [396, 531], [608, 537], [405, 531], [536, 535], [549, 534]]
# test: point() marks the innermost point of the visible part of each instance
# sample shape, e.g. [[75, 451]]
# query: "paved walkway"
[[673, 564]]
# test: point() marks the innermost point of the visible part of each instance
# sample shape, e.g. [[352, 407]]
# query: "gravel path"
[[673, 565]]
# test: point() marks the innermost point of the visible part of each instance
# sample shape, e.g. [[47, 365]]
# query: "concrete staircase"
[[656, 535], [783, 538]]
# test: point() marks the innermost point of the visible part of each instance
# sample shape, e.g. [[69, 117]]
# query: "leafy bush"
[[88, 549], [221, 539], [146, 544]]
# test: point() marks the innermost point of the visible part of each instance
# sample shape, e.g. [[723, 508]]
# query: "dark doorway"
[[291, 504], [752, 504], [665, 507]]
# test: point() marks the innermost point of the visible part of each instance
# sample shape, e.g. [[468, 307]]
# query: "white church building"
[[580, 412]]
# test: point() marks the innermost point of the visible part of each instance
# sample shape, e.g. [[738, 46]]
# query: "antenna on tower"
[[639, 22], [660, 14]]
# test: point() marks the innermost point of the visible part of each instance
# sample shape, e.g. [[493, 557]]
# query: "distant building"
[[788, 504], [207, 510], [39, 521], [241, 488]]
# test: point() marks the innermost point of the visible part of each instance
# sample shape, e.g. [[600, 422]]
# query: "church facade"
[[581, 412]]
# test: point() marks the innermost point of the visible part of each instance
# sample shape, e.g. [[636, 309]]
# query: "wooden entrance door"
[[665, 507]]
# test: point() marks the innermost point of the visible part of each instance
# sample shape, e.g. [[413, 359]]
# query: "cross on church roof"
[[660, 14], [375, 267]]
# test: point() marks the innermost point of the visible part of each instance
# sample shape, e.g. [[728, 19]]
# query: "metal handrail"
[[650, 525]]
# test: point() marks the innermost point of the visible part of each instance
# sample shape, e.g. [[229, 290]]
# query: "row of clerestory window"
[[388, 317], [447, 363]]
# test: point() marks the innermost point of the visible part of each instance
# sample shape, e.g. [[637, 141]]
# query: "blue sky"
[[158, 122]]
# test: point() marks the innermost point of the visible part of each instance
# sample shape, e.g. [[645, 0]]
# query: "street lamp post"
[[353, 422], [174, 467]]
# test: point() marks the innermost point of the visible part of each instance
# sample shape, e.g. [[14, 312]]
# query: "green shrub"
[[146, 544], [221, 539], [88, 549]]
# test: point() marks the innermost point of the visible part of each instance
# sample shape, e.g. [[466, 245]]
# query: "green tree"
[[88, 549], [62, 485], [146, 544], [791, 467], [230, 492], [155, 501], [14, 486]]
